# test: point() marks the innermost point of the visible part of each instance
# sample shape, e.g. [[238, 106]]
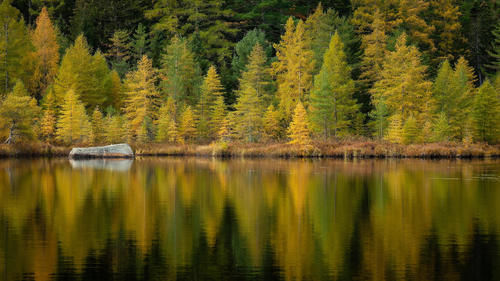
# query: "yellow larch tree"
[[48, 122], [97, 132], [187, 126], [44, 39], [166, 125], [298, 131], [211, 92], [141, 103], [271, 124], [293, 68], [374, 45], [73, 125]]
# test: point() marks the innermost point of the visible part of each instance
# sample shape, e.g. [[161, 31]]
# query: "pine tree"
[[181, 73], [141, 101], [380, 121], [18, 112], [139, 45], [15, 48], [374, 45], [257, 74], [44, 39], [271, 124], [119, 51], [249, 114], [97, 132], [486, 114], [395, 130], [494, 53], [402, 84], [211, 90], [332, 105], [73, 125], [293, 68], [244, 48], [441, 131], [411, 131], [187, 126], [299, 132]]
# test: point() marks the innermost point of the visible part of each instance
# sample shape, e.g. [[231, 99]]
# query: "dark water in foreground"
[[204, 219]]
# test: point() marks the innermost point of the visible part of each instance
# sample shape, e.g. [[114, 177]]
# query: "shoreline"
[[340, 150]]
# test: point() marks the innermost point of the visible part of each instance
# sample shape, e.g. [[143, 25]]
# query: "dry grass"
[[341, 149]]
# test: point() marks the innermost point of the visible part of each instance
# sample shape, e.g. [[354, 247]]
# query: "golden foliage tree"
[[209, 106], [73, 125], [97, 133], [187, 126], [271, 124], [141, 101], [293, 68], [299, 132], [167, 129], [44, 39], [18, 112], [374, 45]]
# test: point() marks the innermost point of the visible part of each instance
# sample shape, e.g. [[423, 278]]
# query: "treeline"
[[172, 71]]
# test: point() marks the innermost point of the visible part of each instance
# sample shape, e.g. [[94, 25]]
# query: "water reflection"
[[199, 219], [118, 165]]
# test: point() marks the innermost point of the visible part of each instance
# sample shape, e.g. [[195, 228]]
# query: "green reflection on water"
[[185, 219]]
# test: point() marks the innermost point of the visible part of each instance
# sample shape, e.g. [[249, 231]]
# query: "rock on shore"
[[110, 151]]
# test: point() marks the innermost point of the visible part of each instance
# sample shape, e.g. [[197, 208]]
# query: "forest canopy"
[[199, 71]]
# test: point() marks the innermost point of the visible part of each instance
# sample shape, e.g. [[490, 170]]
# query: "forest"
[[298, 72]]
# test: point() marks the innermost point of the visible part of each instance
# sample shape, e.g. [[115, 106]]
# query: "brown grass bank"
[[346, 149]]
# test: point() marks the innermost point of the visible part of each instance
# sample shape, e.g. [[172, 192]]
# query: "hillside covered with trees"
[[254, 71]]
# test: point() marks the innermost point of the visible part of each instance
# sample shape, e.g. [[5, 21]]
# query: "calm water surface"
[[205, 219]]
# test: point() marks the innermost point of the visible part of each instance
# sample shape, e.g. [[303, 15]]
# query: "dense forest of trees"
[[193, 71]]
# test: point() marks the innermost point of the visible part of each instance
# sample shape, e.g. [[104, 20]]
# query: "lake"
[[208, 219]]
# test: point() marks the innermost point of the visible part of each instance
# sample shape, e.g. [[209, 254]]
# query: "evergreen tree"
[[140, 43], [271, 124], [44, 39], [181, 73], [73, 125], [410, 131], [293, 68], [141, 103], [494, 53], [245, 47], [448, 35], [380, 121], [332, 105], [15, 48], [116, 94], [119, 52], [187, 126], [18, 112], [299, 132], [411, 15], [486, 114], [97, 133]]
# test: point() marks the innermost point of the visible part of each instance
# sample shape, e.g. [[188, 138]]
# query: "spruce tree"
[[494, 52], [181, 73], [18, 112], [211, 90], [141, 103], [442, 130], [119, 53], [140, 43]]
